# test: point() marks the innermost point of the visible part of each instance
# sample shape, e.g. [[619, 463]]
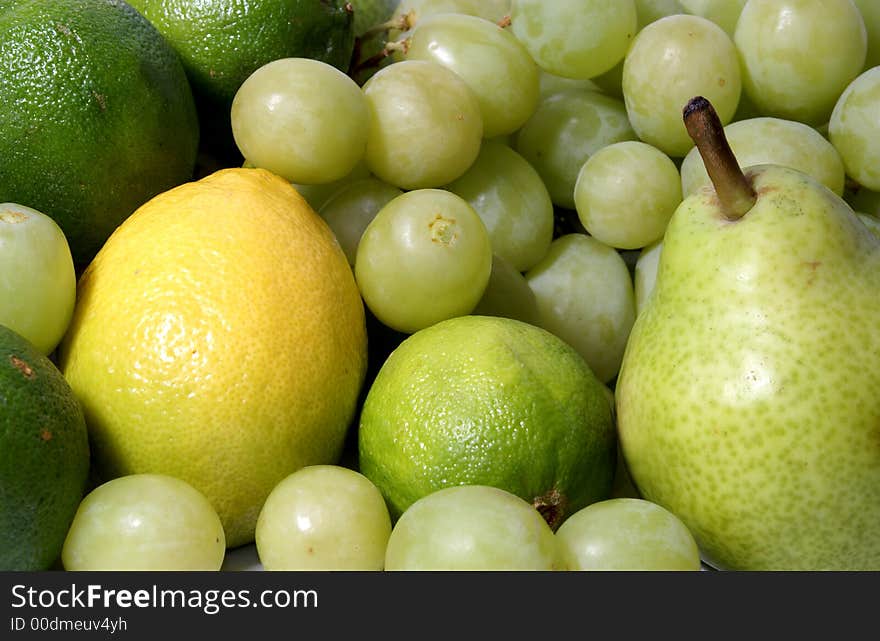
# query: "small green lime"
[[44, 456], [479, 400]]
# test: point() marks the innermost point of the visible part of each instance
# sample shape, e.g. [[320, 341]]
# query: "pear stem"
[[705, 129]]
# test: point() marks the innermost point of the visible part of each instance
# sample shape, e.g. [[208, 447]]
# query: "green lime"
[[479, 400], [44, 456], [96, 115]]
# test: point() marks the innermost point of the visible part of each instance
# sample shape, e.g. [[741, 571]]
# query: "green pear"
[[748, 401]]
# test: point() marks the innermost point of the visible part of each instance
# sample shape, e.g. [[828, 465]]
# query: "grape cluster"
[[523, 158]]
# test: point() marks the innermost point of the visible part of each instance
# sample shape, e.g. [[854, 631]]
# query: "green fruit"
[[472, 527], [480, 400], [96, 115], [44, 456], [222, 42], [747, 401], [627, 534], [38, 287], [145, 522]]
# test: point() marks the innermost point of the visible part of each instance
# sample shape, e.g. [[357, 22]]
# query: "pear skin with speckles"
[[748, 401]]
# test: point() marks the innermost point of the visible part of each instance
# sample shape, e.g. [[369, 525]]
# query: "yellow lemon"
[[219, 337]]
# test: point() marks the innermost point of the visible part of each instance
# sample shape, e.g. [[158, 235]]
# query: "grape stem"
[[358, 62], [376, 60], [704, 127], [402, 23]]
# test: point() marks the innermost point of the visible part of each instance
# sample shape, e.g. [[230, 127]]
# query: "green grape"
[[645, 276], [549, 83], [409, 13], [424, 258], [317, 195], [416, 10], [854, 129], [323, 517], [870, 10], [350, 210], [686, 56], [472, 527], [565, 130], [625, 194], [871, 222], [584, 293], [627, 534], [279, 120], [508, 294], [761, 140], [647, 11], [37, 277], [799, 55], [425, 125], [144, 522], [724, 13], [492, 62], [511, 199], [575, 38]]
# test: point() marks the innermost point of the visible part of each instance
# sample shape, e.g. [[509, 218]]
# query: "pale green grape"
[[565, 130], [854, 129], [870, 10], [37, 278], [472, 527], [353, 207], [416, 10], [425, 125], [575, 38], [585, 297], [625, 194], [317, 195], [645, 276], [799, 55], [761, 140], [279, 120], [671, 61], [323, 517], [409, 13], [647, 11], [508, 295], [724, 13], [144, 522], [627, 534], [511, 199], [871, 222], [492, 62], [549, 84], [424, 258]]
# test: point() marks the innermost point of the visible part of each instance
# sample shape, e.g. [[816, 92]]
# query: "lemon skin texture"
[[219, 337]]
